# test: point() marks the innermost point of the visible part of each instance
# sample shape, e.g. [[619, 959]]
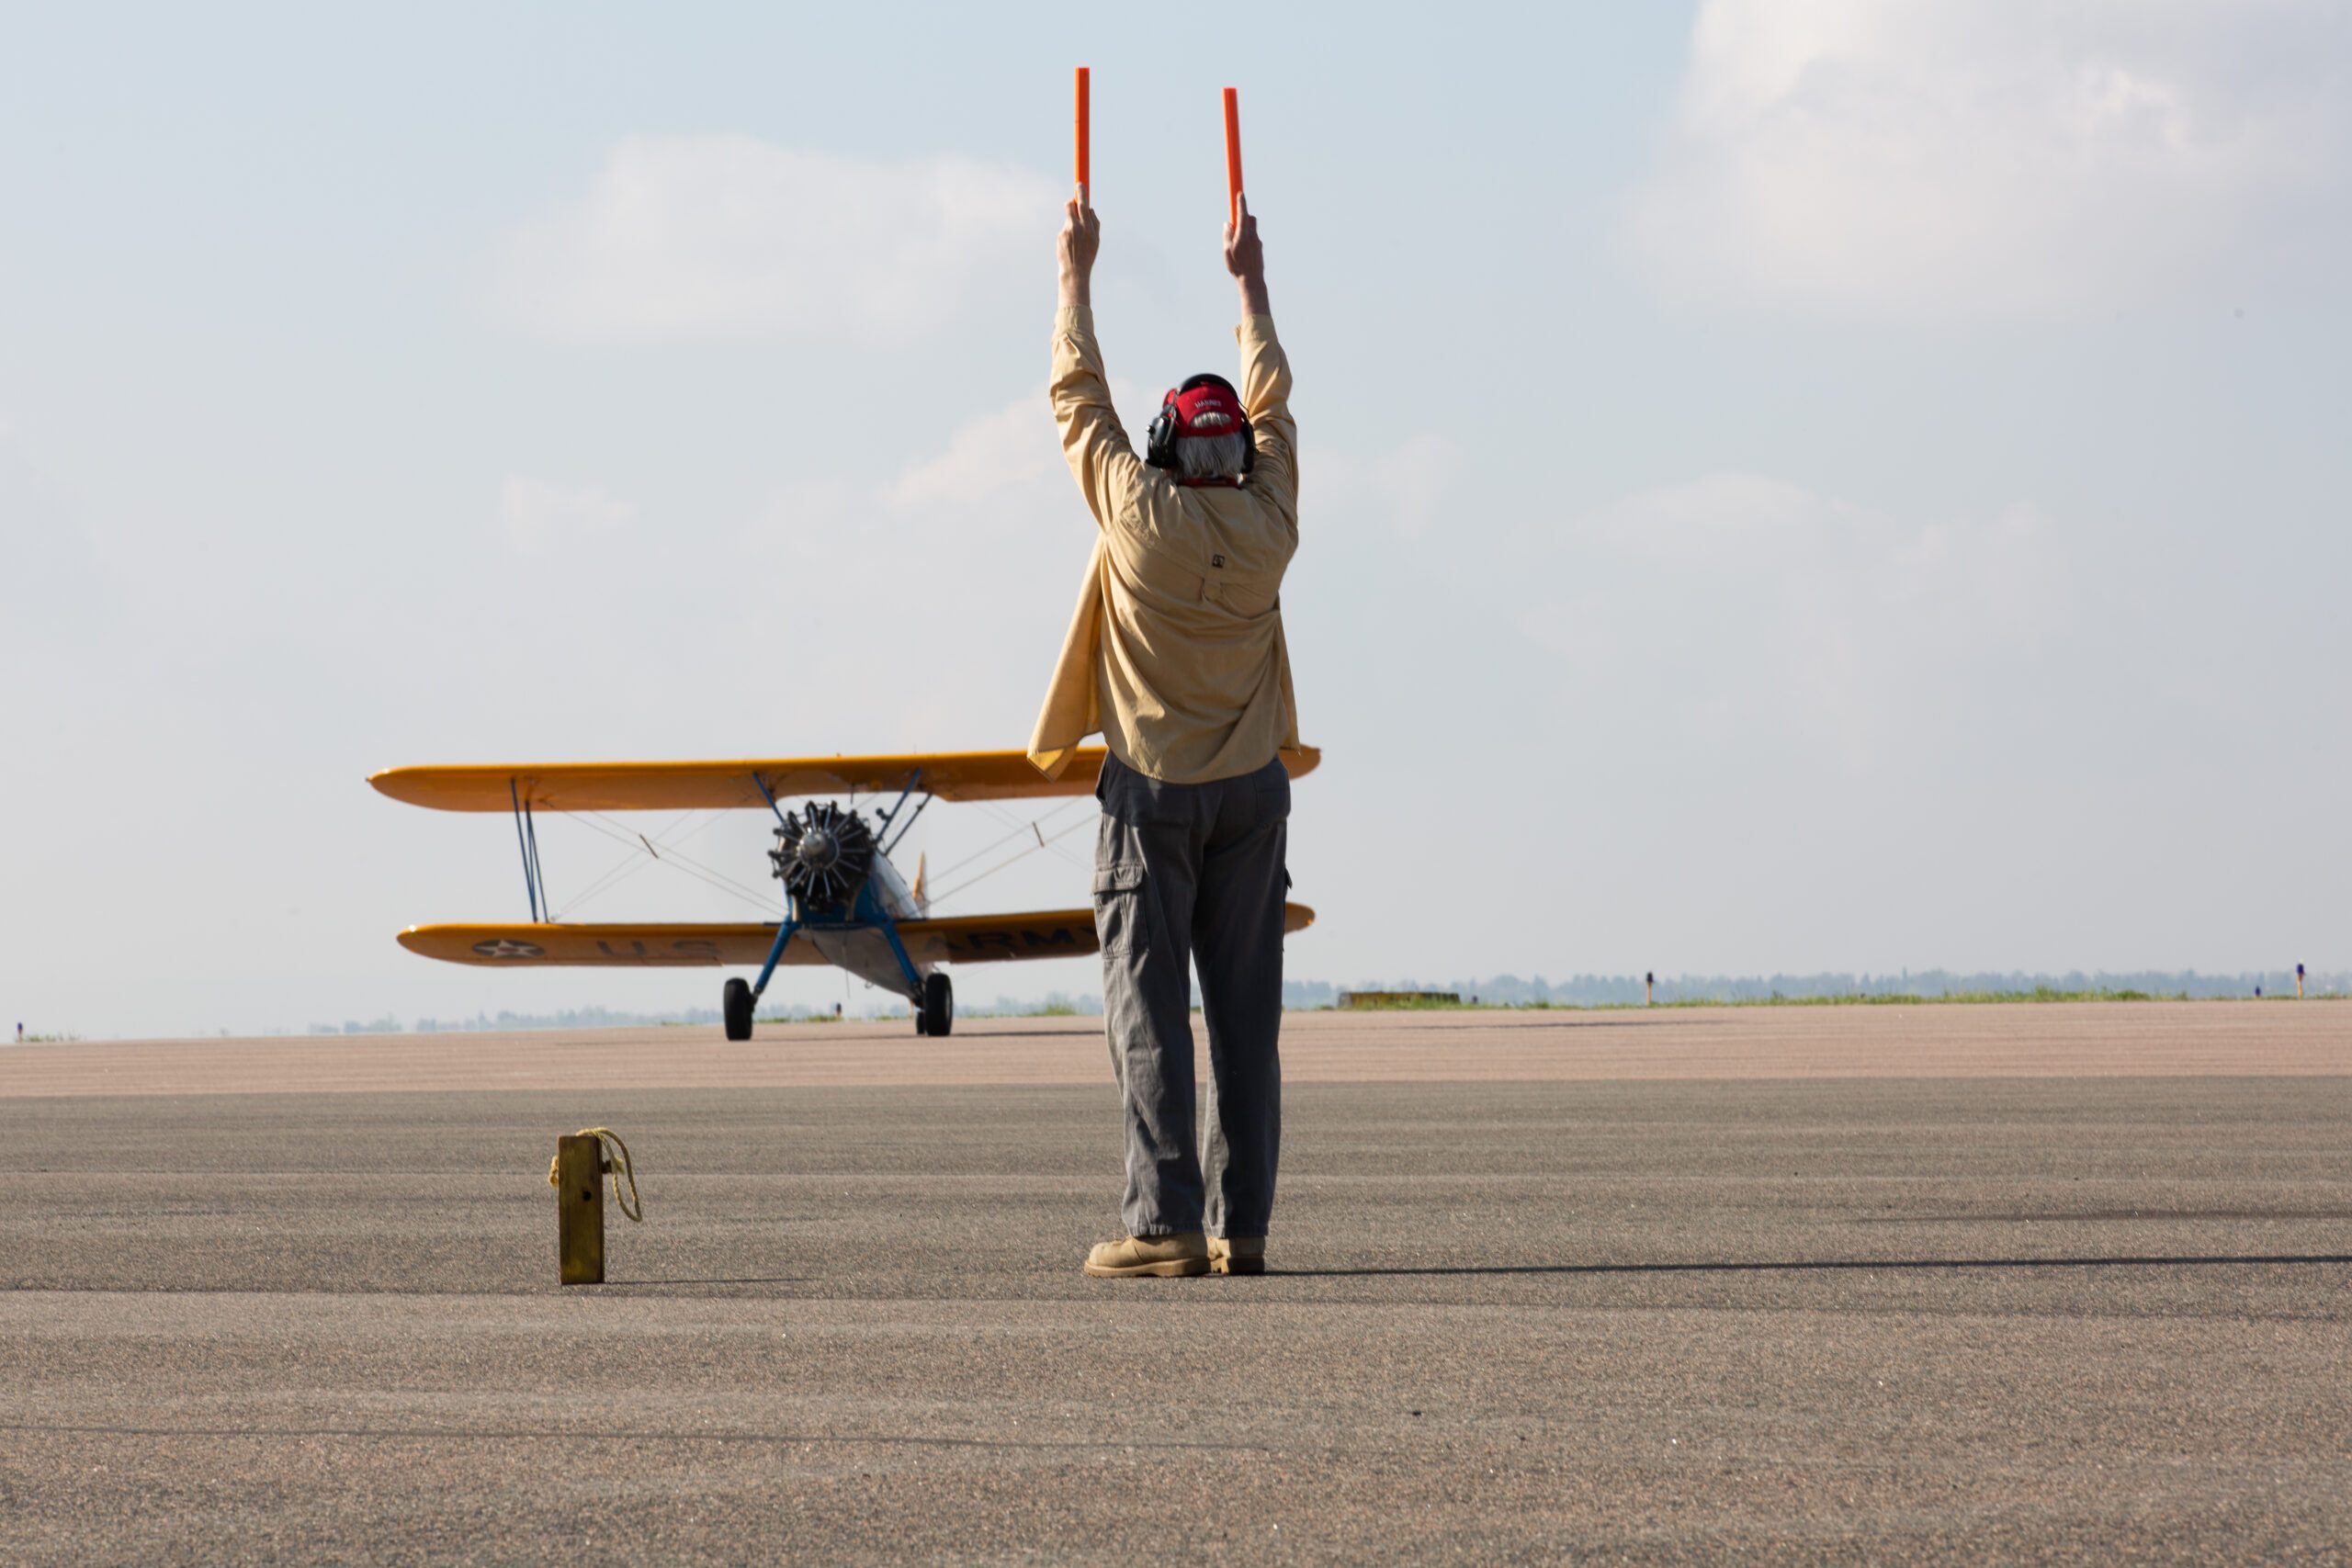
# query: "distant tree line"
[[1504, 991], [570, 1018], [1606, 991]]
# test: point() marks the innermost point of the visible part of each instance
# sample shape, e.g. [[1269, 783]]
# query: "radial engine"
[[823, 855]]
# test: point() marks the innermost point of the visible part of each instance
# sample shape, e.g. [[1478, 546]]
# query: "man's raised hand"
[[1082, 236], [1244, 258]]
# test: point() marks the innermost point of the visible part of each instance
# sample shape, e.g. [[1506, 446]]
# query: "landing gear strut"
[[736, 1006], [937, 1014]]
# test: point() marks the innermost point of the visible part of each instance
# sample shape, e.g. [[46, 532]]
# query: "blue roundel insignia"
[[503, 948]]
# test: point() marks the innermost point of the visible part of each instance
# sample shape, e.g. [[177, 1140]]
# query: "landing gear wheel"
[[736, 1006], [938, 1015]]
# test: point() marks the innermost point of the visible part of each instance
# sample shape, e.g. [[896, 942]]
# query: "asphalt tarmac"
[[1836, 1318]]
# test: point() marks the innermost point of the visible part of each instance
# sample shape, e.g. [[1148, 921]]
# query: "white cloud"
[[1016, 446], [1416, 478], [1741, 605], [1017, 449], [1719, 521], [537, 514], [687, 238], [1992, 158], [919, 608], [966, 522], [1408, 484]]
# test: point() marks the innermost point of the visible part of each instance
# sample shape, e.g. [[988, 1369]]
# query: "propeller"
[[822, 856]]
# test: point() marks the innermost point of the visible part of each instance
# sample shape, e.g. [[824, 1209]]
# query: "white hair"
[[1209, 456]]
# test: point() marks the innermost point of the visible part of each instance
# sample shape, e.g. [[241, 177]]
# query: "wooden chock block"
[[580, 1209]]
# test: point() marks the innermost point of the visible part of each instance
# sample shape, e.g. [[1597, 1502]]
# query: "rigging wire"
[[1020, 828], [621, 869], [725, 884], [967, 882], [644, 853], [626, 834], [629, 865], [1037, 827]]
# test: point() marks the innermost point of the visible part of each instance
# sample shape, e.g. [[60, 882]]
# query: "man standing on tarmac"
[[1176, 655]]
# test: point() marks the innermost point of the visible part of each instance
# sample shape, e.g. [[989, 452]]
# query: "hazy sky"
[[1790, 484]]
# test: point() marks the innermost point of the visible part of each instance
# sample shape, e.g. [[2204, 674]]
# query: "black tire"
[[938, 1005], [736, 1006]]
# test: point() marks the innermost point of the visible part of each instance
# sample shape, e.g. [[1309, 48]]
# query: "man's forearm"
[[1254, 296], [1078, 290]]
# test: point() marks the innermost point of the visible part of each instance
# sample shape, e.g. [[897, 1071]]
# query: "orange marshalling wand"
[[1233, 157], [1083, 172]]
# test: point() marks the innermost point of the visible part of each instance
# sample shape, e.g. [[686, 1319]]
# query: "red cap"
[[1208, 409]]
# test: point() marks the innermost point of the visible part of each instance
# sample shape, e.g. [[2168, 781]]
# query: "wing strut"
[[900, 836], [527, 835], [887, 818], [769, 796]]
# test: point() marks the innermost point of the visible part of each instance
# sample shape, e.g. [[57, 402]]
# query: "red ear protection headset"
[[1180, 409]]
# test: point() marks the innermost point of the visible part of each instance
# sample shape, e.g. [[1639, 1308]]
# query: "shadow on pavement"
[[778, 1280], [1859, 1264]]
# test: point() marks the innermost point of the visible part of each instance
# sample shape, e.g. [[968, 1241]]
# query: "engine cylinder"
[[823, 856]]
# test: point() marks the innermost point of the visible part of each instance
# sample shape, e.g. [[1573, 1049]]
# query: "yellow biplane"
[[843, 899]]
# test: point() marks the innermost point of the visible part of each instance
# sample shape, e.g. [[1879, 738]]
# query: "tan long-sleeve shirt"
[[1176, 652]]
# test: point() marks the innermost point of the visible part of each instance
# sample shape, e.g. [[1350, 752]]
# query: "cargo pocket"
[[1122, 923]]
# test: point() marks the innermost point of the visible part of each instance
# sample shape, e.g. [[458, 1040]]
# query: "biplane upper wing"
[[963, 938], [672, 786]]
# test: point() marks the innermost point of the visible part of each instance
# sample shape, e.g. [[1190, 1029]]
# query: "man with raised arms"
[[1176, 655]]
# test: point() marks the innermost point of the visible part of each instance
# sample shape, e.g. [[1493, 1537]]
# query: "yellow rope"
[[633, 1206]]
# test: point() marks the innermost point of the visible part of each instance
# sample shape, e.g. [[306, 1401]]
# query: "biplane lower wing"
[[740, 783], [966, 938]]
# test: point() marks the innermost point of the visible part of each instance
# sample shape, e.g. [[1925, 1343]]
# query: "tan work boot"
[[1237, 1255], [1186, 1252]]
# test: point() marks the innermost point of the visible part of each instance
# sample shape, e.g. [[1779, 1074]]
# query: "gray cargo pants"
[[1187, 874]]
